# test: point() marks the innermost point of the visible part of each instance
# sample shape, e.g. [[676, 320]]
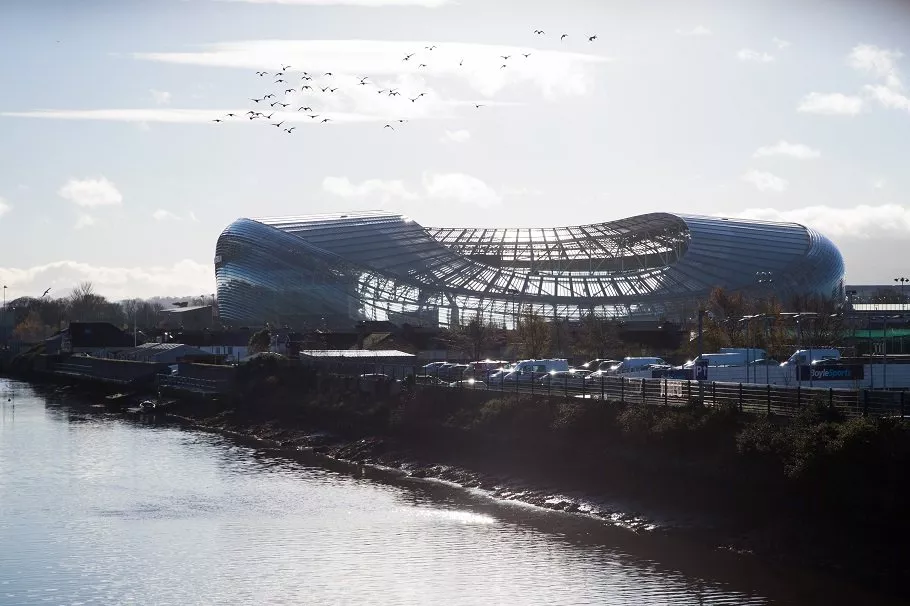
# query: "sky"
[[113, 171]]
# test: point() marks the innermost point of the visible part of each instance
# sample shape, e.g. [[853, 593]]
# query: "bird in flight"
[[408, 57], [563, 36], [460, 63], [284, 104], [380, 91], [268, 96], [328, 73], [525, 55], [216, 120], [422, 65], [502, 66], [279, 74], [279, 124], [332, 90], [251, 112], [479, 105], [325, 88], [539, 31], [364, 79], [261, 74], [402, 121], [389, 126], [231, 115], [256, 100], [279, 80], [306, 87], [306, 109], [592, 38], [269, 117], [45, 292], [325, 119], [429, 48], [290, 90], [288, 130], [285, 68], [506, 57], [313, 115]]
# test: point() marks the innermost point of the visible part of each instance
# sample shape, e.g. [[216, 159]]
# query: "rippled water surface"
[[95, 509]]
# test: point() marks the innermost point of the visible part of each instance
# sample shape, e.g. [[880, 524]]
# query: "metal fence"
[[743, 397]]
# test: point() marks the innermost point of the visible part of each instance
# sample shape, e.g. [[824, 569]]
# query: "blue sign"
[[701, 370], [853, 372]]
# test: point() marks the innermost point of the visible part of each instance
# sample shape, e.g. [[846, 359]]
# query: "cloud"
[[831, 104], [90, 193], [84, 221], [456, 136], [115, 283], [368, 3], [385, 191], [860, 222], [554, 73], [888, 97], [747, 54], [161, 97], [181, 116], [4, 206], [878, 61], [764, 181], [165, 215], [783, 148], [460, 188], [698, 30], [437, 188], [781, 44]]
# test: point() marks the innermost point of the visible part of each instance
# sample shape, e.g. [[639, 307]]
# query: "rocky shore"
[[799, 494]]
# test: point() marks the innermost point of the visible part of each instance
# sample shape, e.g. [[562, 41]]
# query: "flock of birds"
[[282, 97]]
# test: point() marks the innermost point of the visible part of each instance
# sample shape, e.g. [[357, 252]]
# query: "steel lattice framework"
[[336, 269]]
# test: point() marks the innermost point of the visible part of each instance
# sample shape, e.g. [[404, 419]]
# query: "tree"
[[260, 341], [477, 333], [534, 334], [598, 337], [85, 305], [31, 329]]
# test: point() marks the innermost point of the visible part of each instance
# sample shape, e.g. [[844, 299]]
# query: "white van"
[[749, 354], [630, 364], [801, 356], [722, 359], [525, 369]]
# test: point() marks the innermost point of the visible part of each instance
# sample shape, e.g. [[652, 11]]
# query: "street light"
[[902, 281]]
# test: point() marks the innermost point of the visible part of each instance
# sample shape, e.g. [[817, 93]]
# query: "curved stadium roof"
[[379, 265]]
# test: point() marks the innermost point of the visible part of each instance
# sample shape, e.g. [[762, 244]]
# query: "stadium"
[[331, 271]]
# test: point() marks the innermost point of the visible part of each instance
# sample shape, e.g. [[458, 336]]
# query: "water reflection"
[[102, 511]]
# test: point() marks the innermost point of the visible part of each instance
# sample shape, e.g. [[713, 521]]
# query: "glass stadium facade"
[[334, 270]]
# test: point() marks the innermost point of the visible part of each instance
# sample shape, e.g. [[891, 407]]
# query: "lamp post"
[[902, 281]]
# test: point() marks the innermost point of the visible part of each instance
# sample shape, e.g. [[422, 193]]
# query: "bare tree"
[[534, 333]]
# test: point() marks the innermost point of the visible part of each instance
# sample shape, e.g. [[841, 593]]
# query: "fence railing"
[[743, 397]]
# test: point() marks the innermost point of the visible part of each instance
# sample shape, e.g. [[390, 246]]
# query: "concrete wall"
[[106, 369], [877, 376]]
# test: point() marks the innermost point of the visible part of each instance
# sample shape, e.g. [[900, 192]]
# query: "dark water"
[[95, 509]]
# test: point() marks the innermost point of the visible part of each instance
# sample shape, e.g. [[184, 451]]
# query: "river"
[[98, 509]]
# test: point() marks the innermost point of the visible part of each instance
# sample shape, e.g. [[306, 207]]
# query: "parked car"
[[428, 380], [636, 364], [528, 370], [801, 357]]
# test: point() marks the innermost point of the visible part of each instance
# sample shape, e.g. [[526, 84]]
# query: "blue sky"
[[112, 171]]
